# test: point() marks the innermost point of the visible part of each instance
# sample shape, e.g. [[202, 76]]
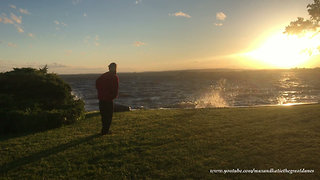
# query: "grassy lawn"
[[171, 144]]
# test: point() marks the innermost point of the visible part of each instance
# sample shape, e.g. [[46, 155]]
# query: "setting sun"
[[286, 51]]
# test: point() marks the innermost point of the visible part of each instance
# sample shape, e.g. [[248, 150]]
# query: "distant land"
[[202, 70]]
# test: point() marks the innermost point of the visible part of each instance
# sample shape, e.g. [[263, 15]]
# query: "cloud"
[[75, 2], [94, 40], [14, 20], [31, 35], [56, 65], [138, 1], [85, 14], [13, 6], [221, 16], [12, 44], [24, 11], [5, 20], [19, 28], [180, 14], [7, 65], [17, 19], [59, 24], [218, 24], [139, 43]]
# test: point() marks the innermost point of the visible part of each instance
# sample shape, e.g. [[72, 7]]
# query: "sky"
[[84, 36]]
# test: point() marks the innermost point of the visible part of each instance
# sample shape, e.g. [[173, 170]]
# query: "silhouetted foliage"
[[32, 99], [314, 11], [302, 25]]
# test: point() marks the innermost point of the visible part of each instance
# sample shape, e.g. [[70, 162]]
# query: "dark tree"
[[302, 25]]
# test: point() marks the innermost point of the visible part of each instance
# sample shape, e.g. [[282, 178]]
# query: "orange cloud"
[[12, 44], [139, 43], [180, 14], [16, 18], [24, 11], [221, 16], [4, 19], [13, 6], [20, 30]]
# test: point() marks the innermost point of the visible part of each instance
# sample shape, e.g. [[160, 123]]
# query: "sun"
[[286, 51]]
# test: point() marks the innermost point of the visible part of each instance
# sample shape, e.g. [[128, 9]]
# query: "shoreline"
[[226, 107]]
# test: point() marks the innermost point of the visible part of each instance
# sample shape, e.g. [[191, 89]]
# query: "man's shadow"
[[45, 153]]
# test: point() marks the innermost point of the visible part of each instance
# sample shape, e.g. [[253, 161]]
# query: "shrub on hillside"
[[32, 99]]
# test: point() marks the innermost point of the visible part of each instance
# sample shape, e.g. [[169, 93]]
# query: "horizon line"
[[206, 69]]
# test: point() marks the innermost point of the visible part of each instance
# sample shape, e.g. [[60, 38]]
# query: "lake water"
[[205, 88]]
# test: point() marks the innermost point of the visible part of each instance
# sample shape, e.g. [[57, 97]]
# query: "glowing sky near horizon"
[[83, 36]]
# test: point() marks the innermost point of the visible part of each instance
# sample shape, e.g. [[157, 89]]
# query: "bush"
[[33, 100]]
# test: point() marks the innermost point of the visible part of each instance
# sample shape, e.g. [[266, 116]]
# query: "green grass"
[[171, 144]]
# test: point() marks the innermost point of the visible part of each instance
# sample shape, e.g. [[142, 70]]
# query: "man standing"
[[107, 86]]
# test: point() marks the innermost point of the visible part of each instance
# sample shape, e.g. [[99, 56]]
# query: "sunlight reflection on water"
[[291, 87]]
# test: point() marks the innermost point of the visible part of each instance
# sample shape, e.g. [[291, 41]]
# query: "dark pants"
[[106, 111]]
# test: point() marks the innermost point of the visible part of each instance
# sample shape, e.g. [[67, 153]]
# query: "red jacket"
[[107, 86]]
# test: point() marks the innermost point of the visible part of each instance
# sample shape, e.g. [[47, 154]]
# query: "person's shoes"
[[102, 133], [105, 133]]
